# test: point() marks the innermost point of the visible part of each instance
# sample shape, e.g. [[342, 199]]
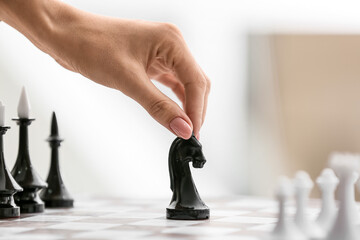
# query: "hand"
[[121, 54]]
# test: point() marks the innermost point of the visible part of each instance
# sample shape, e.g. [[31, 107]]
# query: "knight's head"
[[191, 151]]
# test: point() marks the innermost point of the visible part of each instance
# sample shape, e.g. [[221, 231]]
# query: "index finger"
[[189, 73]]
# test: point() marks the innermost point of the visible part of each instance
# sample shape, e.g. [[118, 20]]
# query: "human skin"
[[119, 53]]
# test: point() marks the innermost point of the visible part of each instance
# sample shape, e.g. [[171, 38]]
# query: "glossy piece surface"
[[8, 185], [186, 203], [25, 174], [55, 195]]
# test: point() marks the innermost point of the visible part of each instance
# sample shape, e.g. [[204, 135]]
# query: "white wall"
[[112, 146]]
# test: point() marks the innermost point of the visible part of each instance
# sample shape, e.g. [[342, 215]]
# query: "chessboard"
[[240, 218]]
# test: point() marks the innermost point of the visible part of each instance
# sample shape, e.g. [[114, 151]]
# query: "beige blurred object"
[[304, 103]]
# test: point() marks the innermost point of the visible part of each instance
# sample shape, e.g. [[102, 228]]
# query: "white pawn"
[[303, 185], [344, 227], [285, 229], [336, 158], [358, 187], [351, 198], [354, 204], [327, 183]]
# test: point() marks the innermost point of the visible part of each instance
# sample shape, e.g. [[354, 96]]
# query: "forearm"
[[31, 18], [41, 21]]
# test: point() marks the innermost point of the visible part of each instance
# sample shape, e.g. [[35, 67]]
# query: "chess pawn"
[[358, 187], [344, 227], [327, 182], [24, 172], [351, 202], [354, 206], [8, 185], [303, 185], [55, 195], [285, 229]]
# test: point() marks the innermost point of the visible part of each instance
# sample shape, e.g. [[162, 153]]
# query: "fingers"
[[195, 84], [174, 84], [163, 109], [208, 87], [177, 87]]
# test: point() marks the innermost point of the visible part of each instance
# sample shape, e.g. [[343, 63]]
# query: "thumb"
[[164, 110]]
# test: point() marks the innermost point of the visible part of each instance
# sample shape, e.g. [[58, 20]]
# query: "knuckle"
[[171, 44], [171, 28], [170, 33], [201, 83], [159, 108]]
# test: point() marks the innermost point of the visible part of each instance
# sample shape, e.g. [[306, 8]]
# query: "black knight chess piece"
[[186, 203], [25, 174], [55, 195], [8, 185]]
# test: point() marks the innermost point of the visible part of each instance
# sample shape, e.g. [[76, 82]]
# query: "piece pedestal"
[[29, 201], [187, 214], [8, 208], [32, 207], [60, 203], [9, 212]]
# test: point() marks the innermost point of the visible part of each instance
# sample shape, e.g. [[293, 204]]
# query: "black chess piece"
[[25, 174], [8, 185], [55, 195], [186, 203]]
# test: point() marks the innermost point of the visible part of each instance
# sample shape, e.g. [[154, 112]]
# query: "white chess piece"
[[334, 159], [344, 227], [303, 185], [285, 228], [355, 208], [327, 183], [357, 184]]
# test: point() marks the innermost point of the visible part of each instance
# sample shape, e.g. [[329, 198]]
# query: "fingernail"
[[181, 128]]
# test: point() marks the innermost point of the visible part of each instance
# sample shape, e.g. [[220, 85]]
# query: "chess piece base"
[[31, 207], [61, 203], [11, 212], [187, 214]]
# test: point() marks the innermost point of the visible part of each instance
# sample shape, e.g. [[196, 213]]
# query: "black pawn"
[[55, 195], [8, 185], [25, 174]]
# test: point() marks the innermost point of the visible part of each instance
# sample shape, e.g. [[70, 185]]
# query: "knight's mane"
[[172, 156]]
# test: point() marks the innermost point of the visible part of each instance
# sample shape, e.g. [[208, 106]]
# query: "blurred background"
[[284, 95]]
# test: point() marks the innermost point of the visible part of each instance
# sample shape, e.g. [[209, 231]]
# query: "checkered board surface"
[[241, 218]]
